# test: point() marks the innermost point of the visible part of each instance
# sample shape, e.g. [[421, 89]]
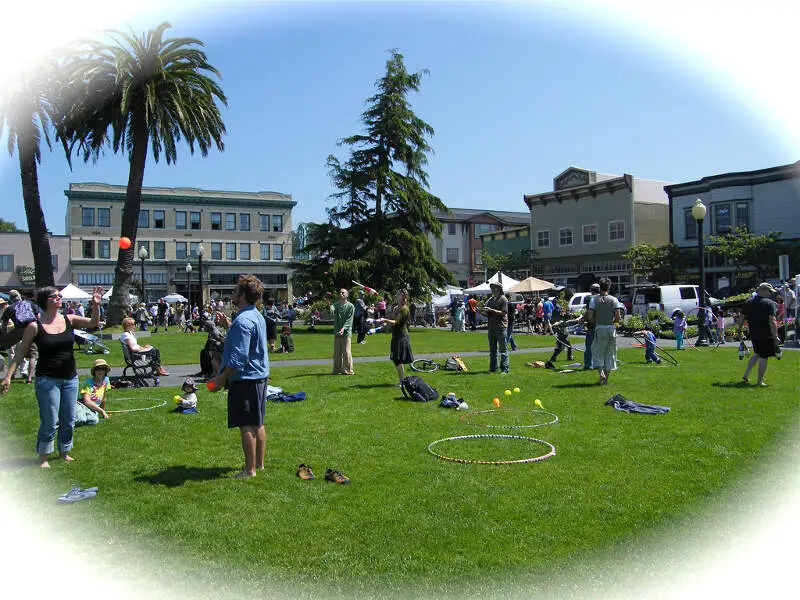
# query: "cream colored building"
[[16, 261], [239, 232], [580, 230]]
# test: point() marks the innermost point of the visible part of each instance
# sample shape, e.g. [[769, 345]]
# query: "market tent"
[[485, 288], [107, 295], [171, 298], [532, 284], [73, 293], [445, 298]]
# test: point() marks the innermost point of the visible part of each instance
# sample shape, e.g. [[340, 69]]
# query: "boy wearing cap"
[[92, 395], [760, 312]]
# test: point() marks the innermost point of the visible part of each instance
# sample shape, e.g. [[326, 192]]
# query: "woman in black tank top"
[[56, 377]]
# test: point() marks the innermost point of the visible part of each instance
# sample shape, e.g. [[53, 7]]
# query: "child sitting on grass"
[[287, 342], [92, 395], [188, 399], [649, 344]]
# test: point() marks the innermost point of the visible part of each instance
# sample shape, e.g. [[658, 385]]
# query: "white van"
[[578, 302], [666, 298]]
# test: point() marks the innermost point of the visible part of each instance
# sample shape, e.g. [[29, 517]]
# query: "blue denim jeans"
[[510, 336], [57, 399], [498, 339], [587, 354]]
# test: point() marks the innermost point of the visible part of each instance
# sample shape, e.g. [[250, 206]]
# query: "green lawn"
[[411, 525]]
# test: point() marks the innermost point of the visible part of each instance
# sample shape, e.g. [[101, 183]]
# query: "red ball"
[[212, 387], [124, 243]]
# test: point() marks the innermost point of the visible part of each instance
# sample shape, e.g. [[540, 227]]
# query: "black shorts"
[[765, 347], [247, 401]]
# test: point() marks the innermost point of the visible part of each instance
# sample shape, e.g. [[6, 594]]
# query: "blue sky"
[[516, 93]]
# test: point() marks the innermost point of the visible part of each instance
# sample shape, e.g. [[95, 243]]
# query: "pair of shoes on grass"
[[305, 473], [77, 494]]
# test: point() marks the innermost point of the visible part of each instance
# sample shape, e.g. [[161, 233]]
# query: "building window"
[[216, 221], [230, 221], [104, 217], [144, 219], [91, 279], [264, 251], [484, 228], [263, 222], [7, 263], [216, 250], [722, 218], [244, 221], [277, 252], [103, 248], [543, 239], [277, 222], [565, 236], [452, 255], [180, 219], [230, 251], [53, 262], [244, 251], [478, 257], [87, 249], [743, 215], [194, 220], [616, 231], [87, 217], [180, 250], [193, 249], [451, 229], [159, 219], [159, 250], [689, 224], [590, 234]]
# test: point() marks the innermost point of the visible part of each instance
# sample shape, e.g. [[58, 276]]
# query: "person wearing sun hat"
[[760, 313], [92, 395]]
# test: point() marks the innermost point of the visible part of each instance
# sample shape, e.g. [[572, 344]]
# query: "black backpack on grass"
[[414, 388]]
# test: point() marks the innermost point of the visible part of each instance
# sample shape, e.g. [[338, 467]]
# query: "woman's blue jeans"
[[57, 399]]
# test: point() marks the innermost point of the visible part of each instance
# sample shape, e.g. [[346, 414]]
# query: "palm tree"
[[25, 111], [147, 90]]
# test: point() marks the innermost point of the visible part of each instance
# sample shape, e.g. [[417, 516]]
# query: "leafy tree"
[[744, 248], [495, 262], [26, 113], [645, 259], [10, 227], [148, 90], [661, 264], [376, 229]]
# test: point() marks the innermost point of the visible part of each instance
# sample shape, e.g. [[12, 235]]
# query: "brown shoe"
[[336, 476], [304, 472]]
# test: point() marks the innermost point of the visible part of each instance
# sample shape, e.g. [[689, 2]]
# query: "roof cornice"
[[734, 179], [583, 191]]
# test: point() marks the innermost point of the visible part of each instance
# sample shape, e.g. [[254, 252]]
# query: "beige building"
[[580, 230], [230, 233], [16, 262]]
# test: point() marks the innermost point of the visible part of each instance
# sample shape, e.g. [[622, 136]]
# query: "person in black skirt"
[[400, 349]]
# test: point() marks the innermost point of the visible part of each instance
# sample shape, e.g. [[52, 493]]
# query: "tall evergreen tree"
[[376, 232]]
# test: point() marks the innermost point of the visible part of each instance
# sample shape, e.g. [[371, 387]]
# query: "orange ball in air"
[[212, 387], [124, 243]]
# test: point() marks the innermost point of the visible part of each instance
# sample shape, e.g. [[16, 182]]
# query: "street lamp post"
[[200, 252], [143, 255], [699, 214], [189, 281]]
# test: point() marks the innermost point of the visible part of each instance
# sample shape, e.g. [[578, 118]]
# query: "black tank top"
[[55, 353]]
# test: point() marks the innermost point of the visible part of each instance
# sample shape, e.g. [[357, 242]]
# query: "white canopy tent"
[[73, 293], [171, 298], [485, 288], [445, 298], [107, 295]]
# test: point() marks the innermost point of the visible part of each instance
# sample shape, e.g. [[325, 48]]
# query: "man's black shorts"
[[765, 347], [247, 401]]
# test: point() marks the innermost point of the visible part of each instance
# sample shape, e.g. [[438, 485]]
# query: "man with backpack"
[[20, 313]]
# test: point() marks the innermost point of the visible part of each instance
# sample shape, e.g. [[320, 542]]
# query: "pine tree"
[[376, 232]]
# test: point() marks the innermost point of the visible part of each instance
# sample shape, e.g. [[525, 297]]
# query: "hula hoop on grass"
[[129, 410], [570, 346], [425, 365], [552, 448], [661, 353], [465, 416]]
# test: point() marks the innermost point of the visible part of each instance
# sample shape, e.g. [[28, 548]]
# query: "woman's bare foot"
[[43, 461], [67, 457]]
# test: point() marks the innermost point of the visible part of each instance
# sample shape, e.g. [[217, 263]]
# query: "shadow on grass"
[[583, 384], [179, 475], [732, 384], [16, 463]]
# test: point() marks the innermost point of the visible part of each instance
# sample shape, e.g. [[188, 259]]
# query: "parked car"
[[666, 298], [578, 302]]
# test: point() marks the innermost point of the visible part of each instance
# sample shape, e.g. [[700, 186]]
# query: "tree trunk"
[[118, 305], [37, 229]]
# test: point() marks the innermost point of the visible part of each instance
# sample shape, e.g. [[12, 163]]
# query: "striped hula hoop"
[[466, 416], [520, 461]]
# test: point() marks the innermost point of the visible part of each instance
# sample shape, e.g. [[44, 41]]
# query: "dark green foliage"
[[743, 248], [9, 227], [376, 229]]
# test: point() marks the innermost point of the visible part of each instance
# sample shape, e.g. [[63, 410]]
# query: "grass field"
[[410, 524]]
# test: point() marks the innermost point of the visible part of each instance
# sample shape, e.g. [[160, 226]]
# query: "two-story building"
[[761, 201], [229, 232], [16, 261], [580, 230], [459, 248]]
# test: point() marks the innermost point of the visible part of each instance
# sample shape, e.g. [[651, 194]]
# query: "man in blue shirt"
[[547, 307], [244, 370]]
